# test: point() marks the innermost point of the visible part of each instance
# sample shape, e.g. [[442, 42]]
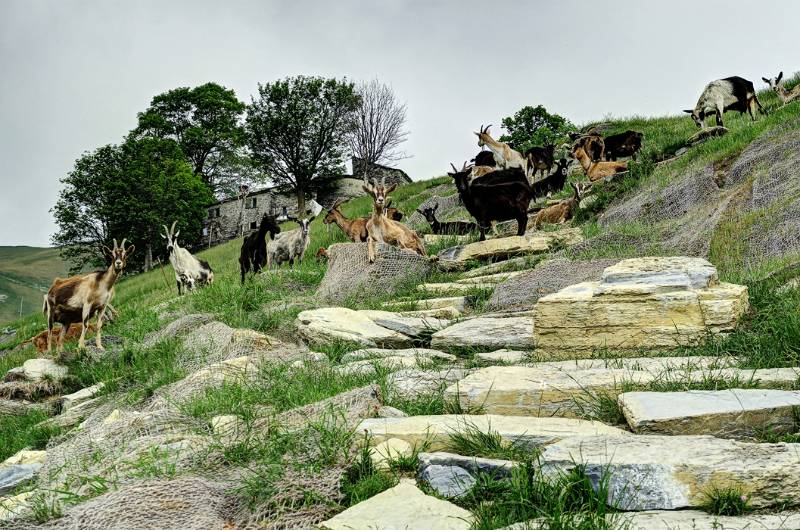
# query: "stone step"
[[456, 258], [414, 327], [651, 472], [641, 303], [474, 464], [414, 353], [503, 356], [446, 288], [735, 413], [412, 383], [499, 277], [330, 324], [458, 302], [436, 431], [500, 266], [402, 507], [487, 333], [551, 388]]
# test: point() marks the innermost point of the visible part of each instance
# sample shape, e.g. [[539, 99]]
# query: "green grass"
[[21, 432], [729, 499]]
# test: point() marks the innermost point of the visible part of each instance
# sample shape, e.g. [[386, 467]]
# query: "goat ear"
[[391, 188], [366, 189], [107, 250], [765, 80], [688, 111], [130, 250], [780, 76]]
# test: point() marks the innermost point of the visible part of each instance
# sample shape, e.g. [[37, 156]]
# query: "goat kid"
[[450, 227], [79, 298], [552, 183], [596, 170], [381, 229], [561, 212], [721, 95], [253, 253], [786, 96], [189, 270], [504, 156]]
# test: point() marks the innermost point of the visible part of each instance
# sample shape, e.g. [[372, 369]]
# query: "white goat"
[[731, 93], [786, 96], [189, 270], [291, 245]]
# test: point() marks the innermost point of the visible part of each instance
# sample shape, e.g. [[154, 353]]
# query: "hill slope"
[[25, 274]]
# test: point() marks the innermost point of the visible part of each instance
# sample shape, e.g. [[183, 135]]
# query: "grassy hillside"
[[769, 337], [25, 274]]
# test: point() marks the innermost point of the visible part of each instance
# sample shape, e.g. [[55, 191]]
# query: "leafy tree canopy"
[[296, 130], [534, 126], [128, 191]]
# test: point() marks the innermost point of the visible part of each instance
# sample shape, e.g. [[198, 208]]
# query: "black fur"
[[450, 227], [254, 247], [623, 144], [552, 183], [485, 158], [541, 158]]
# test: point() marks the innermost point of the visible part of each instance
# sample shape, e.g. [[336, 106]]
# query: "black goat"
[[552, 183], [541, 158], [254, 247], [485, 158], [499, 196], [450, 227], [622, 144]]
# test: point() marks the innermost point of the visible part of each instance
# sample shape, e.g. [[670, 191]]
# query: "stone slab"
[[487, 333]]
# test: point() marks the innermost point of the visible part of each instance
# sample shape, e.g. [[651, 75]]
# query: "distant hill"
[[25, 274]]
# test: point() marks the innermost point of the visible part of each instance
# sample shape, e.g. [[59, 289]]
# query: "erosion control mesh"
[[350, 274]]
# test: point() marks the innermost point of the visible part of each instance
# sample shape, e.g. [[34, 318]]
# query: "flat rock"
[[34, 370], [412, 383], [415, 327], [377, 353], [445, 313], [735, 413], [84, 394], [500, 266], [449, 288], [641, 303], [697, 520], [24, 456], [455, 258], [486, 333], [370, 366], [706, 133], [403, 507], [437, 430], [13, 476], [457, 302], [648, 472], [448, 481], [503, 356], [331, 324], [499, 277], [13, 507], [390, 412], [551, 388], [447, 239], [474, 464], [389, 450]]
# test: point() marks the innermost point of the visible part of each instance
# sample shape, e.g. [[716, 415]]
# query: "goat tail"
[[45, 306]]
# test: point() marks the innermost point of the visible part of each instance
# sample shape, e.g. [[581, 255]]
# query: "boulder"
[[331, 324], [411, 383], [558, 388], [456, 258], [641, 303], [706, 133], [229, 428], [486, 333], [649, 472], [390, 412], [450, 482], [474, 464], [435, 431], [736, 413], [501, 266], [13, 476], [414, 327], [15, 506], [35, 370], [402, 507], [525, 289], [76, 398], [697, 520], [498, 277]]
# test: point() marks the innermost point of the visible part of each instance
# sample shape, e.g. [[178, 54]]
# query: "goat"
[[253, 253], [596, 170], [322, 255], [731, 93], [499, 196], [381, 229], [561, 212], [79, 298], [551, 183], [189, 270], [74, 331], [504, 156], [786, 96], [289, 246], [449, 228], [627, 143], [541, 158], [485, 158], [479, 171], [355, 229]]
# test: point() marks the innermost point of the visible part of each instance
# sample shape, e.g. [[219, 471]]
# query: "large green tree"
[[534, 126], [205, 121], [128, 191], [297, 129]]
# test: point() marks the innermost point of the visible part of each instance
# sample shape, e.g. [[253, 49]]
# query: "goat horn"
[[122, 246], [454, 167], [115, 244], [165, 229], [172, 228]]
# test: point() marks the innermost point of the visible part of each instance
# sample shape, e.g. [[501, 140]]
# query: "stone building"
[[349, 186], [377, 171], [223, 221]]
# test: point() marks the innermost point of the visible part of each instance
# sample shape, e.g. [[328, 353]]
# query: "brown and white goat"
[[786, 96], [503, 154], [596, 170], [79, 298], [355, 229], [381, 229], [561, 212]]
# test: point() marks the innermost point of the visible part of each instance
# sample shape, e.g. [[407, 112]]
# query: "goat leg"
[[370, 249], [97, 341]]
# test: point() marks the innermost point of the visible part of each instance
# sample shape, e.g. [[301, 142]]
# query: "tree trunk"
[[148, 258], [301, 203]]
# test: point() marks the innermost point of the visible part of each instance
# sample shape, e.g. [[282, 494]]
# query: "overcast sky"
[[73, 74]]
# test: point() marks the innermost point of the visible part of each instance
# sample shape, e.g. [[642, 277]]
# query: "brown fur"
[[559, 213], [503, 154], [479, 171], [384, 230], [355, 229], [597, 170], [74, 331], [322, 254]]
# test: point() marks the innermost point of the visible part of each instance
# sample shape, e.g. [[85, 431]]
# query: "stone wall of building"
[[377, 171], [222, 223]]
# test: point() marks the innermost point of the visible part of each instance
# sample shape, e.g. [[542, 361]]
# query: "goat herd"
[[498, 186]]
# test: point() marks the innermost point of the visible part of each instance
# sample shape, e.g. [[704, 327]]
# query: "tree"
[[205, 121], [378, 123], [534, 126], [296, 130], [128, 191]]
